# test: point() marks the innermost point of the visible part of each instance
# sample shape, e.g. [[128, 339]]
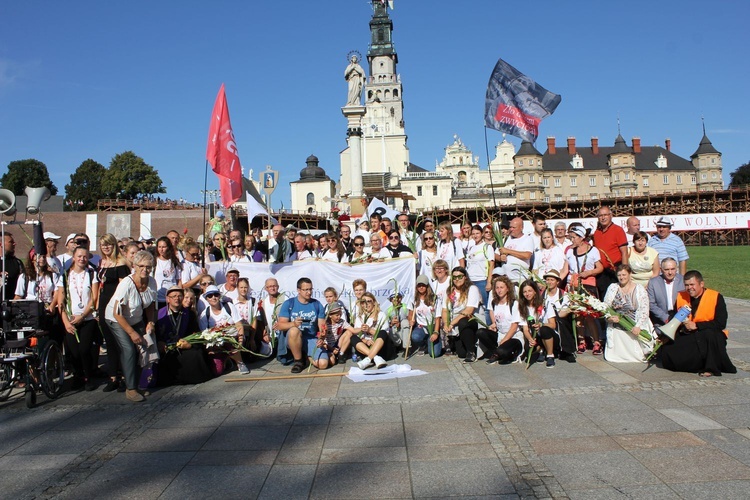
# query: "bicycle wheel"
[[6, 381], [52, 370]]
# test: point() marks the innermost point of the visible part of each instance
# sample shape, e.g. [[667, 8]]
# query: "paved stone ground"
[[585, 430]]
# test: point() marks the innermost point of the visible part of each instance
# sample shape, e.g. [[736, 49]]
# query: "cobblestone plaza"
[[587, 430]]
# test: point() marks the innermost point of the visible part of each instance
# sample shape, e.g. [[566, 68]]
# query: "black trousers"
[[83, 350], [467, 338]]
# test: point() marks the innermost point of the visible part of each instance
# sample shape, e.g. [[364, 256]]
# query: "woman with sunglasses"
[[236, 249], [192, 272], [358, 254], [488, 236], [369, 337], [222, 314], [167, 270], [428, 254], [112, 270], [584, 262], [461, 303], [425, 324], [336, 251], [395, 247]]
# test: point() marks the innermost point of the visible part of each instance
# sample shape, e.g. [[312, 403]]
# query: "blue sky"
[[92, 79]]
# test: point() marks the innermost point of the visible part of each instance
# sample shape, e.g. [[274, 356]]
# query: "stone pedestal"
[[354, 116]]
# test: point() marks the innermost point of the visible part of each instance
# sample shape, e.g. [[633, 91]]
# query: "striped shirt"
[[671, 246]]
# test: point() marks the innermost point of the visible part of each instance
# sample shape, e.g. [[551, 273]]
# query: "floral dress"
[[622, 346]]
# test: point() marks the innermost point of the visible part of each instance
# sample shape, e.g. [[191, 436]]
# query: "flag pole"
[[489, 168], [203, 229]]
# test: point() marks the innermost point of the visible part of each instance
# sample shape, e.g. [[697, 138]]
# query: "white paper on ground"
[[389, 372]]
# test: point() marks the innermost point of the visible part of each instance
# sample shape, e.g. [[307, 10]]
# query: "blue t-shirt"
[[310, 314]]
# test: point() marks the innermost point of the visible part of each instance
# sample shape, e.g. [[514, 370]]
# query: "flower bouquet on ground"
[[218, 338]]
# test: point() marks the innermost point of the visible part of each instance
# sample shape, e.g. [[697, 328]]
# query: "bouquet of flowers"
[[625, 321], [585, 304], [222, 338]]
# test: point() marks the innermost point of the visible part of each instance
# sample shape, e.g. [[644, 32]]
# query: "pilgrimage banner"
[[379, 276]]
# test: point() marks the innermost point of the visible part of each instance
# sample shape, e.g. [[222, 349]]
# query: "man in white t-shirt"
[[516, 252]]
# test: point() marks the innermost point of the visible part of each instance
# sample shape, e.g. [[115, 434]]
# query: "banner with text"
[[379, 276]]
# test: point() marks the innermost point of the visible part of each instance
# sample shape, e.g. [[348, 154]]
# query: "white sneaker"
[[364, 363], [379, 362], [242, 367]]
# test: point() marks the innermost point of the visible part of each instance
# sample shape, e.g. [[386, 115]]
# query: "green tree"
[[741, 176], [86, 185], [129, 177], [31, 173]]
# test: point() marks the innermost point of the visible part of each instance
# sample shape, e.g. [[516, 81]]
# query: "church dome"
[[312, 171]]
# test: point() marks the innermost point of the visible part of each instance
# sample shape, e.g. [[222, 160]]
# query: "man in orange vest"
[[700, 345]]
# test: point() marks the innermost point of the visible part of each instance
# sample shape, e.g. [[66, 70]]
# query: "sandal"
[[298, 366], [597, 348], [582, 346]]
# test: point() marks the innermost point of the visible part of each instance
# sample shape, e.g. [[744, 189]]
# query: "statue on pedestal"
[[355, 75]]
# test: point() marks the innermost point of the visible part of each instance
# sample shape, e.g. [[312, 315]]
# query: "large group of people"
[[492, 293]]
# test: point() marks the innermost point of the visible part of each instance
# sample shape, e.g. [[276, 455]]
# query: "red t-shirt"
[[609, 241]]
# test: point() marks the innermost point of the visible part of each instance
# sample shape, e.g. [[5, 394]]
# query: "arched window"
[[395, 93], [310, 199]]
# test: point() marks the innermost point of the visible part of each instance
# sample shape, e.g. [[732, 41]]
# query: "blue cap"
[[220, 214]]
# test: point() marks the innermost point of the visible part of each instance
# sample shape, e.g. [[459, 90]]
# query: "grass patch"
[[723, 268]]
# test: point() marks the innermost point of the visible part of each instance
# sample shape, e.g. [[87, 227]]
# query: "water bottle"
[[355, 358]]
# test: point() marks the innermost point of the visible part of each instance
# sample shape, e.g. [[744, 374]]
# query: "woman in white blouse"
[[502, 341], [461, 303], [131, 314], [549, 256]]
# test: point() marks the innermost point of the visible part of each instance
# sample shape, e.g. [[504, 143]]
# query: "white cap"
[[71, 236], [50, 236]]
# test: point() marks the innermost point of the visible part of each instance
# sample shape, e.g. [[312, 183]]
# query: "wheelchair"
[[28, 355]]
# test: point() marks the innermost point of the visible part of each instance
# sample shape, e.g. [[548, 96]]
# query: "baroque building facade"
[[575, 173], [562, 172]]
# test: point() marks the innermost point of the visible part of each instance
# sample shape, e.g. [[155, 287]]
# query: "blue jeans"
[[482, 285], [128, 352], [420, 338]]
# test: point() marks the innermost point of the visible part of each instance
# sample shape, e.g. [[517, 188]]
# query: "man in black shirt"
[[13, 267]]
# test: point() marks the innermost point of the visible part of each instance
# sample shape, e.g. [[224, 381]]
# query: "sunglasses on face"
[[205, 283], [235, 246], [458, 277], [212, 296], [368, 301], [195, 255], [427, 238], [393, 238], [359, 244]]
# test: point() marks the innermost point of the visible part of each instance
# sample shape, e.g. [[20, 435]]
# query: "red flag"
[[222, 152]]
